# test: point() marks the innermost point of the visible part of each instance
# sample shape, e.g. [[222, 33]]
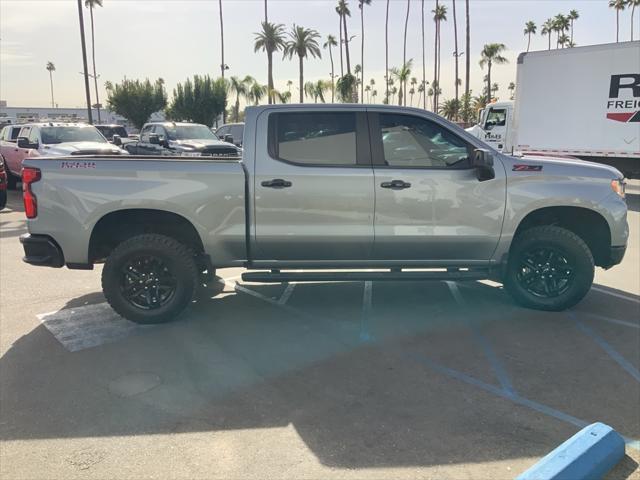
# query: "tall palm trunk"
[[489, 82], [362, 53], [93, 55], [617, 25], [386, 54], [572, 30], [51, 81], [404, 51], [265, 11], [633, 11], [424, 77], [529, 41], [435, 62], [455, 35], [341, 60], [437, 95], [468, 54], [346, 43], [224, 111], [301, 80], [333, 85], [269, 75]]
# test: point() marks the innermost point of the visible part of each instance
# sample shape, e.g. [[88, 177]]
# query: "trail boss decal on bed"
[[78, 165], [527, 168], [625, 82]]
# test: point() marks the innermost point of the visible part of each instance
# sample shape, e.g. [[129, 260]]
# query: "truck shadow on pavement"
[[368, 375]]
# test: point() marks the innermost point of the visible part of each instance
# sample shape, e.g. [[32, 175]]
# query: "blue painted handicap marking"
[[589, 454]]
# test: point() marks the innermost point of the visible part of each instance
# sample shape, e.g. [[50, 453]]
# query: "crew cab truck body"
[[374, 192]]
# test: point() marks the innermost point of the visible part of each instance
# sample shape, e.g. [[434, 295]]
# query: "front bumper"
[[41, 250]]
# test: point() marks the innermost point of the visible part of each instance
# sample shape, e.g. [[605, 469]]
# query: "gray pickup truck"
[[328, 192]]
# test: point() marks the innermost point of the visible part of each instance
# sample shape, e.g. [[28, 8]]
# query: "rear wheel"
[[12, 180], [550, 268], [150, 278]]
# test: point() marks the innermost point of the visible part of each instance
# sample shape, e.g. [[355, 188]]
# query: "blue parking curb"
[[589, 454]]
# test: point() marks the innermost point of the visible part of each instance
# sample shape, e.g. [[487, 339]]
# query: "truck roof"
[[56, 124]]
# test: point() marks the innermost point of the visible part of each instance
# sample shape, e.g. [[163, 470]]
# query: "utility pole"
[[84, 63]]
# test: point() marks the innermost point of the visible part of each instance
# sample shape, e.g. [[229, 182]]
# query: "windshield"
[[109, 132], [52, 135], [186, 132]]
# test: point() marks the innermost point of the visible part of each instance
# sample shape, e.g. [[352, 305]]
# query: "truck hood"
[[80, 148], [573, 167], [199, 144]]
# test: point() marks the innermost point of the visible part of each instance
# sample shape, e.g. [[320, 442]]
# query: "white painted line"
[[612, 320], [455, 291], [614, 294], [284, 298], [88, 326], [367, 297]]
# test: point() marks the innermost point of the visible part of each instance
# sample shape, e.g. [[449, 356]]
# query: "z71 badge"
[[527, 168]]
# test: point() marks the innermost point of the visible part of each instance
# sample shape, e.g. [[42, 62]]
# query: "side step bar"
[[395, 275]]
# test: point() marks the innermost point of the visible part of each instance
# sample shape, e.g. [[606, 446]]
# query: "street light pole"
[[84, 62]]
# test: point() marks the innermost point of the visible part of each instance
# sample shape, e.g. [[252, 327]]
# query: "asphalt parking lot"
[[327, 380]]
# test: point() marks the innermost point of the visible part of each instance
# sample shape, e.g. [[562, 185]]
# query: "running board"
[[395, 275]]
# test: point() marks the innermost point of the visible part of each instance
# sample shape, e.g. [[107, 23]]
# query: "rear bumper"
[[41, 250]]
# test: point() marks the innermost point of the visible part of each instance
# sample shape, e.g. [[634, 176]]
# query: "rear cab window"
[[314, 138]]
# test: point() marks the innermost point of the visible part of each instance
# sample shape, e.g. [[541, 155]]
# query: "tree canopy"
[[136, 100], [200, 100]]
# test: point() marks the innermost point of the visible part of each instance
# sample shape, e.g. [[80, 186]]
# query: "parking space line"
[[514, 397], [284, 298], [615, 356], [496, 365], [613, 320], [614, 294]]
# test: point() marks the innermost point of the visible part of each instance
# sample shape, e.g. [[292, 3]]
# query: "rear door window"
[[313, 138]]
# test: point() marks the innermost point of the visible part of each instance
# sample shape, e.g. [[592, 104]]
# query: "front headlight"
[[618, 186]]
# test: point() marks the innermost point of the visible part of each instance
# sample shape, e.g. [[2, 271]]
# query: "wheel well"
[[115, 227], [590, 226]]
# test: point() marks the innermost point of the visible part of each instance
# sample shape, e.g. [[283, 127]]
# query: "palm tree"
[[439, 15], [344, 12], [633, 4], [412, 92], [266, 18], [547, 28], [479, 102], [386, 52], [512, 89], [270, 39], [574, 15], [467, 91], [223, 66], [424, 73], [361, 4], [256, 92], [563, 40], [529, 28], [618, 5], [289, 83], [374, 94], [394, 90], [90, 4], [402, 75], [241, 88], [302, 42], [331, 42], [51, 68], [421, 94], [492, 53], [406, 23], [449, 109], [561, 23], [339, 12], [455, 38], [285, 97]]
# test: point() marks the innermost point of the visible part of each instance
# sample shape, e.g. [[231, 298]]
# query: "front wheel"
[[150, 278], [550, 268]]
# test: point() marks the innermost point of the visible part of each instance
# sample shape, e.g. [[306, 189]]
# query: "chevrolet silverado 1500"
[[328, 192]]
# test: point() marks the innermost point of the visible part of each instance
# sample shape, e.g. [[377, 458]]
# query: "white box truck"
[[581, 102]]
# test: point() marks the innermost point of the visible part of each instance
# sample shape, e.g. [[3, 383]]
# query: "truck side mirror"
[[23, 142], [228, 138], [482, 161], [154, 139], [116, 139]]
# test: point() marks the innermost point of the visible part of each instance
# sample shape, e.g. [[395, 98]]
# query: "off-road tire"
[[179, 260], [573, 248]]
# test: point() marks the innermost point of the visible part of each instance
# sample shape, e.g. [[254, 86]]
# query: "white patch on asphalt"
[[88, 326], [284, 298], [614, 294]]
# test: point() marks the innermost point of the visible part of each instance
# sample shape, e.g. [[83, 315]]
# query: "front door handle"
[[276, 183], [396, 185]]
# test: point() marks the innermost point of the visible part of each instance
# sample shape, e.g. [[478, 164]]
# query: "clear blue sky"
[[176, 39]]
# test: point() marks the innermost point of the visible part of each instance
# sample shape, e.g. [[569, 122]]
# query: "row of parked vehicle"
[[51, 139]]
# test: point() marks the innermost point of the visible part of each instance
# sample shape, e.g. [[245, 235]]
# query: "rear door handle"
[[276, 183], [396, 185]]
